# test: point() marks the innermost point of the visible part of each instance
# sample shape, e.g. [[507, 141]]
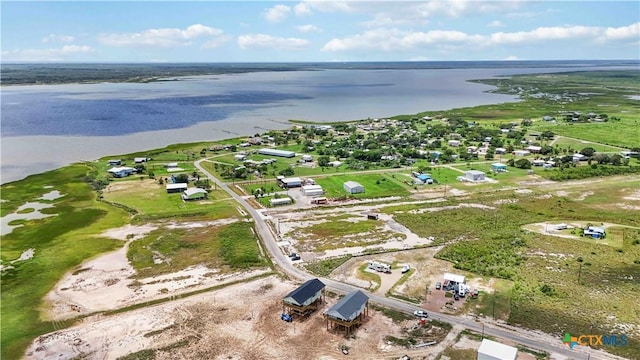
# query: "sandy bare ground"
[[107, 283], [238, 322]]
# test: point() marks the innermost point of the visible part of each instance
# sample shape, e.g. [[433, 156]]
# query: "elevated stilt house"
[[348, 313], [305, 299]]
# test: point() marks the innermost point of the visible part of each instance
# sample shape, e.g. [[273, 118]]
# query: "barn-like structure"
[[348, 313], [305, 299]]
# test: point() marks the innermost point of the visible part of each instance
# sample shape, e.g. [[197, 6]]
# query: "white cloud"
[[263, 41], [495, 24], [165, 37], [511, 58], [544, 34], [394, 39], [67, 52], [622, 33], [58, 38], [277, 13], [327, 6], [308, 28], [385, 39], [302, 9]]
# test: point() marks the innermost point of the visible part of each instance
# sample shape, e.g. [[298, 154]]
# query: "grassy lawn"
[[577, 145], [232, 246], [496, 304], [375, 185], [152, 201], [61, 243], [624, 133]]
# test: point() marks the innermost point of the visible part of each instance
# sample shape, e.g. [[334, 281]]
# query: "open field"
[[151, 200], [375, 185], [577, 145]]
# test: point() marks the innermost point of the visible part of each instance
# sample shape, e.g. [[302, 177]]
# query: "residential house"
[[194, 194]]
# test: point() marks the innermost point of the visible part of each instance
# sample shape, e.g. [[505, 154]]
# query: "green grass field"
[[152, 201], [232, 246], [577, 145], [375, 185]]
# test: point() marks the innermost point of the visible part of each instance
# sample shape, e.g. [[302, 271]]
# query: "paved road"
[[534, 340]]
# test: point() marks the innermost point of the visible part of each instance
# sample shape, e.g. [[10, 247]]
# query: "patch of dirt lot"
[[241, 321], [107, 282]]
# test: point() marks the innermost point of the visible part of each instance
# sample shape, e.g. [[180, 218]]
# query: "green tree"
[[523, 164], [588, 151], [323, 161]]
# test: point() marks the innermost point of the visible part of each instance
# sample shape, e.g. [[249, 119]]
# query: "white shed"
[[312, 190], [491, 350], [474, 175], [353, 187], [280, 201], [456, 278]]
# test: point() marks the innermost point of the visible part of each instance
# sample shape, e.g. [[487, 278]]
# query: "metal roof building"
[[348, 312], [276, 152], [491, 350], [353, 187], [305, 299]]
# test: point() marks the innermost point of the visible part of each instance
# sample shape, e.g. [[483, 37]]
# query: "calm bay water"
[[47, 126]]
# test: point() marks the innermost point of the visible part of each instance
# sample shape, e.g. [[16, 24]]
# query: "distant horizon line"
[[304, 62]]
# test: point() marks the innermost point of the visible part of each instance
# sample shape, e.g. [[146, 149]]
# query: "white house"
[[492, 350], [353, 187], [140, 160], [474, 175], [522, 153], [307, 158], [114, 162], [121, 171], [335, 163], [534, 149], [454, 143], [194, 194], [538, 162]]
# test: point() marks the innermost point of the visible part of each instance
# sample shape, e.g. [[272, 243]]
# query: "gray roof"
[[349, 307], [305, 291]]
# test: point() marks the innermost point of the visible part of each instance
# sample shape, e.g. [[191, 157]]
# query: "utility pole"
[[494, 305], [579, 273]]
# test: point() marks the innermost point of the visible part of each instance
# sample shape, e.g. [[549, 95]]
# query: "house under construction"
[[305, 299], [348, 313]]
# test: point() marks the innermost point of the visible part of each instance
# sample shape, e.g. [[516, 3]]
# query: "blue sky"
[[285, 31]]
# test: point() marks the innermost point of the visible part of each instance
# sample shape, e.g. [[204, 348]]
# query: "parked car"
[[438, 286], [456, 296], [406, 269], [421, 313], [286, 317], [294, 256], [474, 294]]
